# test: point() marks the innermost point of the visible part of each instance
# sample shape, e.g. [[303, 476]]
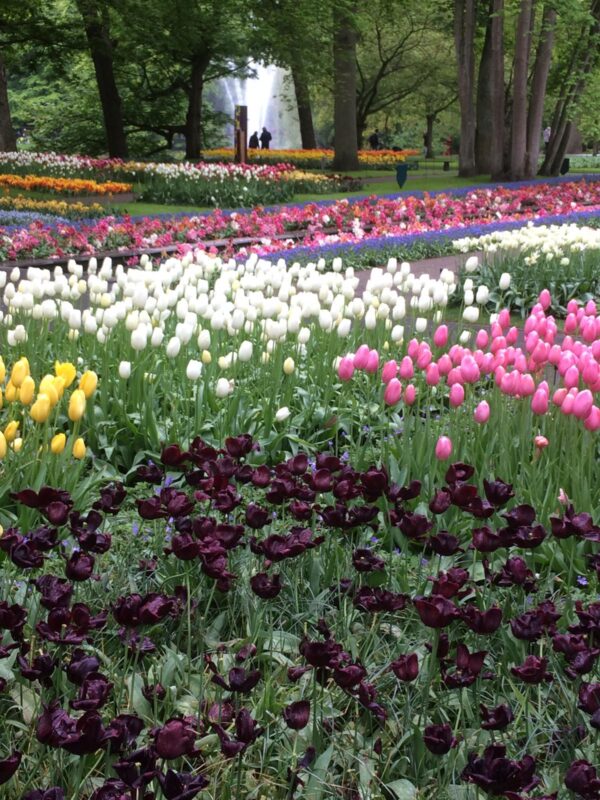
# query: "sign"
[[240, 143]]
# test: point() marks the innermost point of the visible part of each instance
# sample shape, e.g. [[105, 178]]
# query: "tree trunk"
[[344, 113], [8, 139], [560, 150], [193, 118], [464, 33], [307, 130], [518, 142], [538, 91], [429, 136], [96, 24]]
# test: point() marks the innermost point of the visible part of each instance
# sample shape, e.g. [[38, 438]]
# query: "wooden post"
[[241, 134]]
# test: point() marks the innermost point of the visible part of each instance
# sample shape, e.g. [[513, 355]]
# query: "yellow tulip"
[[66, 371], [11, 392], [17, 444], [11, 430], [48, 386], [77, 405], [3, 445], [40, 410], [59, 385], [57, 445], [27, 390], [79, 448], [19, 372], [88, 382], [206, 357], [2, 370], [1, 399]]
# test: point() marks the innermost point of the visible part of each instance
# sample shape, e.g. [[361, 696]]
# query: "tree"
[[464, 42], [344, 90], [489, 132], [8, 139]]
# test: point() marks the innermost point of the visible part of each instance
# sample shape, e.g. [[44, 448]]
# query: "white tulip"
[[125, 370], [471, 314], [245, 351], [504, 282], [344, 327], [282, 414], [483, 295], [289, 366], [139, 338], [471, 264], [223, 388], [193, 369], [420, 324]]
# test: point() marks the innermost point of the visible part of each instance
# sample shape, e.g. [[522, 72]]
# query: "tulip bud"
[[27, 390], [471, 264], [11, 430], [345, 369], [289, 366], [482, 412], [282, 414], [40, 410], [223, 388], [504, 282], [19, 372], [3, 446], [245, 351], [77, 405], [392, 393], [125, 370], [88, 383], [206, 357], [57, 444], [17, 445], [66, 371], [79, 448], [193, 370], [443, 448]]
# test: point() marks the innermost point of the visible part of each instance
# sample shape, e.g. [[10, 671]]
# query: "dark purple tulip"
[[40, 669], [266, 586], [415, 526], [56, 592], [405, 668], [589, 697], [172, 456], [93, 693], [87, 736], [301, 510], [349, 676], [295, 673], [485, 540], [24, 554], [449, 584], [459, 472], [156, 607], [176, 738], [184, 547], [375, 599], [298, 464], [155, 692], [112, 789], [528, 626], [239, 446], [242, 680], [444, 544], [375, 483], [496, 719], [223, 712], [12, 618], [402, 494], [151, 473], [53, 793], [322, 480], [111, 498], [122, 732], [57, 512], [440, 502], [9, 765], [43, 538], [515, 572], [365, 560], [367, 695], [261, 476], [80, 566], [256, 517], [520, 516], [435, 611], [582, 663], [438, 739], [583, 779], [482, 622], [496, 774], [497, 492], [320, 654], [181, 785], [296, 715], [532, 670], [464, 495]]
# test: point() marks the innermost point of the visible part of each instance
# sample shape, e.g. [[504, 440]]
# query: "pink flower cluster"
[[342, 221], [521, 372]]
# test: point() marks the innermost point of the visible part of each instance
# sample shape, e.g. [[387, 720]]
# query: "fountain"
[[270, 100]]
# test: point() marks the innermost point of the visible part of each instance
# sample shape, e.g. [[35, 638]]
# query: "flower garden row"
[[341, 222]]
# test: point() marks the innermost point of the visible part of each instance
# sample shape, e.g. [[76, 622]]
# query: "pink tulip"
[[482, 412], [469, 370], [512, 335], [571, 378], [457, 395], [432, 374], [590, 308], [592, 422], [424, 358], [540, 353], [504, 318], [559, 396], [407, 369], [531, 341], [346, 369], [526, 385], [568, 403], [554, 355], [545, 299], [413, 348], [499, 343], [361, 357], [443, 448], [482, 339], [392, 392], [440, 337], [410, 395], [582, 404], [570, 323], [572, 306], [539, 402], [596, 350], [372, 362], [590, 373], [454, 376], [541, 442], [496, 330], [444, 364], [389, 371]]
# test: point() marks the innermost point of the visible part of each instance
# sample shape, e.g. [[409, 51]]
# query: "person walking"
[[265, 139], [253, 141], [374, 139]]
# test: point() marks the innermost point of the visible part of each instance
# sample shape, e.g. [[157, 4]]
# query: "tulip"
[[443, 448], [65, 370], [3, 445], [245, 351], [58, 443], [223, 388], [206, 357], [457, 395], [541, 442], [539, 402], [289, 366], [582, 404], [125, 370], [77, 405], [79, 448], [48, 386], [440, 337], [545, 299], [482, 412], [410, 395], [193, 370], [471, 264], [88, 383], [432, 374], [345, 368], [504, 282], [11, 430], [40, 410], [389, 371], [282, 414], [392, 393], [19, 372], [372, 362], [361, 357], [407, 369], [2, 370], [27, 390]]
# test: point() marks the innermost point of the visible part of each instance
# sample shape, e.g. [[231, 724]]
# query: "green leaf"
[[402, 789], [316, 784]]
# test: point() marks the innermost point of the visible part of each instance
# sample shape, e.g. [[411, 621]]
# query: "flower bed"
[[60, 208], [317, 159], [340, 223], [71, 186]]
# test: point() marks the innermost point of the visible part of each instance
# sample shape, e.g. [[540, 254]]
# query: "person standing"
[[374, 139], [253, 141], [265, 139], [547, 135]]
